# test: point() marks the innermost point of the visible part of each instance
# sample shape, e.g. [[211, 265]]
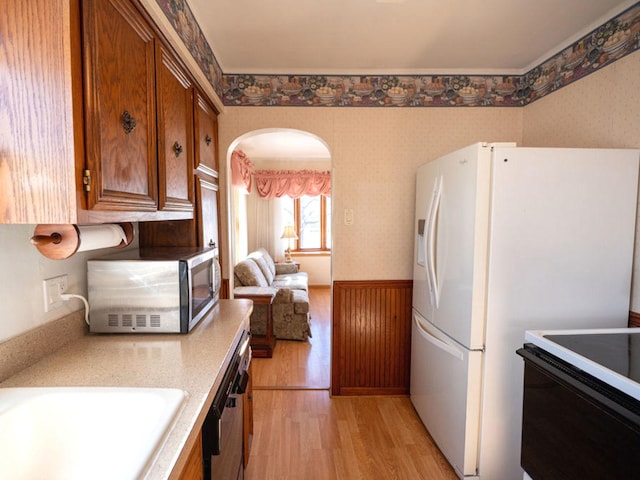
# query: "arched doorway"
[[253, 224]]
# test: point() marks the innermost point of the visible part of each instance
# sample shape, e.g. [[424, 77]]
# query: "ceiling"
[[378, 37], [283, 144], [367, 37]]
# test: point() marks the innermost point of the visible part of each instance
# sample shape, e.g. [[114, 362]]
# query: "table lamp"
[[289, 234]]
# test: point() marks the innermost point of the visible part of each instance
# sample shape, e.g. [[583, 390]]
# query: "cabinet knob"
[[208, 140], [177, 148], [128, 122]]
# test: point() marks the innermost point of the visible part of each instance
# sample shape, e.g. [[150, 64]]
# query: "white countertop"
[[622, 383], [192, 362]]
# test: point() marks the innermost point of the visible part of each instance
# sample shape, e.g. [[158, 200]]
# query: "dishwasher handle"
[[240, 384]]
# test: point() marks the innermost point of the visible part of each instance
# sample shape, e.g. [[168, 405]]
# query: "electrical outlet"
[[53, 288]]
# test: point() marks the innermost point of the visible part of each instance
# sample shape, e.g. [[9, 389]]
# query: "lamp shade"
[[289, 232]]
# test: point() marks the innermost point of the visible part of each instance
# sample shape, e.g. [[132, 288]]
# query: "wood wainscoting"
[[371, 337]]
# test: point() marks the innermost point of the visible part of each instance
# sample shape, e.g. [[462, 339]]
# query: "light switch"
[[348, 216]]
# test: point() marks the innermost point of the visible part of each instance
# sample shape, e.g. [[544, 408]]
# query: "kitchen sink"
[[84, 432]]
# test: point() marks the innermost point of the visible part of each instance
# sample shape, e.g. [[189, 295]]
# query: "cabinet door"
[[192, 469], [37, 182], [119, 71], [175, 134], [202, 232], [206, 134], [208, 218]]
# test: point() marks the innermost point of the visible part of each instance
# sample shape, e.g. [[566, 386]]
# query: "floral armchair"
[[258, 274]]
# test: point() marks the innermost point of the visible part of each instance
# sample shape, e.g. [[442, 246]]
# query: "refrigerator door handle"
[[431, 242], [446, 347], [421, 257]]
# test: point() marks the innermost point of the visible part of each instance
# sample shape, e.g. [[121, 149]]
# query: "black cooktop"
[[619, 352]]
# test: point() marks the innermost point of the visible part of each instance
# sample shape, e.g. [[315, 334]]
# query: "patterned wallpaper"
[[611, 41], [374, 156]]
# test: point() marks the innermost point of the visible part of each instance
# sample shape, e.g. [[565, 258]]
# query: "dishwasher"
[[222, 430]]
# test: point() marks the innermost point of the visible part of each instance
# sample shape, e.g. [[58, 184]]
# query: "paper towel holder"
[[60, 241]]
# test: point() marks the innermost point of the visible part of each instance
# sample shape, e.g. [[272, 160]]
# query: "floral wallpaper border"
[[611, 41]]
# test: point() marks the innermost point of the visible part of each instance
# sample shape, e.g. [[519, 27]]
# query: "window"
[[311, 217]]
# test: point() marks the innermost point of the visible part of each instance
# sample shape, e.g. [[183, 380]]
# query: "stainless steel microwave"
[[148, 290]]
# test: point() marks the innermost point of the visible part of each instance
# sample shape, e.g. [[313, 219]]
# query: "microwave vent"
[[115, 320]]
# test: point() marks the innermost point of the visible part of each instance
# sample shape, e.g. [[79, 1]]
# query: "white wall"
[[22, 269], [375, 153], [318, 267]]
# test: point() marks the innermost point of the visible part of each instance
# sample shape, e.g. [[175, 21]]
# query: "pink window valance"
[[241, 170], [294, 183]]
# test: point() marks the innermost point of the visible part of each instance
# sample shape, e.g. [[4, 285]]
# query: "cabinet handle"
[[177, 148], [128, 122], [208, 140]]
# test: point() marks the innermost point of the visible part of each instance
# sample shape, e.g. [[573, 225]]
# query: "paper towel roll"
[[93, 237], [61, 241]]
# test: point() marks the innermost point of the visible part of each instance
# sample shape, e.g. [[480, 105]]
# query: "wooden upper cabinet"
[[120, 107], [37, 151], [138, 107], [175, 134], [99, 116], [206, 134]]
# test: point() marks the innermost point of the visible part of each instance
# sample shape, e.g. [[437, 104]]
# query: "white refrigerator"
[[510, 239]]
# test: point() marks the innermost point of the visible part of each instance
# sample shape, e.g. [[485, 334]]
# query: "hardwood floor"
[[307, 435], [300, 432], [298, 364]]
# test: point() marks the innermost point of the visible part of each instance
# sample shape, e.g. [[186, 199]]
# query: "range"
[[581, 404]]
